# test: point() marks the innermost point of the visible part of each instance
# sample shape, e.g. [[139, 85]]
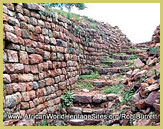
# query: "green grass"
[[133, 57], [44, 123], [108, 59], [121, 54], [116, 89], [84, 85], [93, 75], [127, 96], [133, 49], [93, 25], [154, 49]]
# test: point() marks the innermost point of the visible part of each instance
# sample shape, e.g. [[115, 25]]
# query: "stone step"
[[114, 70], [93, 97], [116, 63], [101, 82], [79, 110], [120, 57]]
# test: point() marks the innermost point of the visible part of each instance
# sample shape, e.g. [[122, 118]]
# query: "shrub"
[[44, 123], [127, 96], [67, 99], [154, 49]]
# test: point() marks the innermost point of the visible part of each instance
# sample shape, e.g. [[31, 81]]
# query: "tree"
[[68, 6]]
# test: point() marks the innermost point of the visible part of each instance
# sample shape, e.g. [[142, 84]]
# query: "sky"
[[137, 20]]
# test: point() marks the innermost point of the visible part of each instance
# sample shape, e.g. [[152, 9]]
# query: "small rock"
[[98, 98], [143, 122], [138, 63], [152, 88], [77, 122], [74, 110], [85, 90], [111, 97]]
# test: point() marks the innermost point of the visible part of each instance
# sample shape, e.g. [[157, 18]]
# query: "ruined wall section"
[[44, 54]]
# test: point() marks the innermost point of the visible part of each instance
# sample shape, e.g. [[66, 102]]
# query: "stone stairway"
[[93, 101]]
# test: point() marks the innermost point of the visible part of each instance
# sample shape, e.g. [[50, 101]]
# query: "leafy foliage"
[[133, 57], [127, 96], [67, 99], [154, 49], [69, 6], [44, 123]]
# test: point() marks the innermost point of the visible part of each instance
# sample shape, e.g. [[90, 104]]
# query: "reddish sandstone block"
[[57, 100], [24, 105], [23, 56], [19, 87], [11, 37], [49, 81], [32, 111], [35, 59], [25, 96], [10, 6], [19, 9], [17, 31], [29, 86], [32, 94], [27, 68], [8, 28], [39, 93], [34, 69], [10, 68], [6, 78], [20, 41], [25, 77], [12, 56], [38, 29], [9, 88]]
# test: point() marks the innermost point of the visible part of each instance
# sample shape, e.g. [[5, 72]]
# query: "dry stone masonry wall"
[[44, 54]]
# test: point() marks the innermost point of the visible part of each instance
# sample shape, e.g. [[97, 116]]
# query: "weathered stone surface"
[[23, 57], [11, 37], [25, 122], [74, 110], [6, 78], [152, 97], [33, 21], [111, 97], [35, 59], [34, 6], [25, 33], [84, 97], [138, 63], [12, 56], [98, 98], [13, 21], [141, 104], [143, 122], [10, 101], [152, 88], [25, 96], [77, 122], [25, 77]]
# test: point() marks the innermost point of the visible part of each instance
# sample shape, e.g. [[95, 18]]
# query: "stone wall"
[[44, 54]]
